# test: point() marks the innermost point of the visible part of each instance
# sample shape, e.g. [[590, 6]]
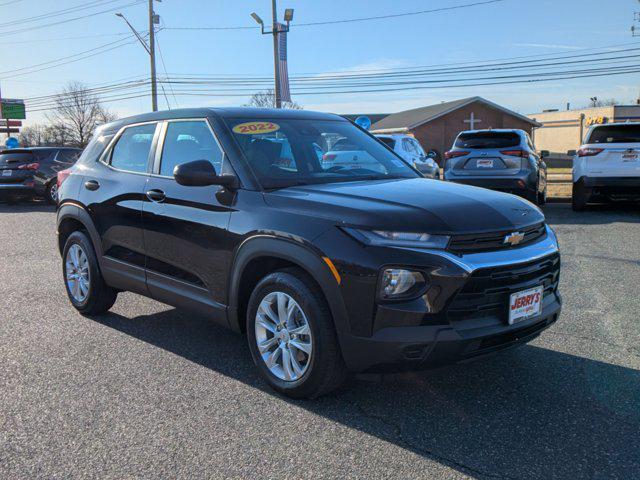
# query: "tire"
[[98, 297], [51, 193], [542, 198], [323, 369], [579, 197]]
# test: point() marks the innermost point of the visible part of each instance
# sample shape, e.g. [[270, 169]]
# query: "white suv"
[[607, 166], [410, 149]]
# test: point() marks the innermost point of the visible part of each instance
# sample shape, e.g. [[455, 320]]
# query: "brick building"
[[437, 126]]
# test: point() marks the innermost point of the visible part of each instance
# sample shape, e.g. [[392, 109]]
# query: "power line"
[[349, 20], [60, 22], [58, 13]]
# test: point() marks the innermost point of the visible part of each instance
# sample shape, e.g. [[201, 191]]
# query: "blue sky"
[[501, 30]]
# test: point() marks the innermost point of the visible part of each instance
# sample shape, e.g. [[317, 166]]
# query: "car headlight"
[[398, 239], [398, 283]]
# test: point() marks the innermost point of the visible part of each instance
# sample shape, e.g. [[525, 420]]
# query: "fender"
[[301, 255], [75, 211]]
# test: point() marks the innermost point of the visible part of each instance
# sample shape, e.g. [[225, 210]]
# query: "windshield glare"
[[291, 152]]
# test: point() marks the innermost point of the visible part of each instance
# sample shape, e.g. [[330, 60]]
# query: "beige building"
[[564, 130]]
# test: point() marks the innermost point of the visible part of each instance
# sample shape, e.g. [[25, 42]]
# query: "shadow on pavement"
[[524, 413], [562, 214], [25, 206]]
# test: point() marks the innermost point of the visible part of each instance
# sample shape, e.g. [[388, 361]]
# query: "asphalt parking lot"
[[151, 391]]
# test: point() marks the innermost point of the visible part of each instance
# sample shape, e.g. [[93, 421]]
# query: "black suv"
[[32, 172], [362, 267]]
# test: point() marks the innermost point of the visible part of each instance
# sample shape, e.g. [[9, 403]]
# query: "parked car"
[[32, 172], [325, 270], [607, 167], [503, 160], [410, 149]]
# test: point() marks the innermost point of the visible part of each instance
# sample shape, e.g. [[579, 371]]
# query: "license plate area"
[[7, 173], [484, 163], [525, 304]]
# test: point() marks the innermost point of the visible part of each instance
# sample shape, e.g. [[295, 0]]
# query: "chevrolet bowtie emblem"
[[514, 238]]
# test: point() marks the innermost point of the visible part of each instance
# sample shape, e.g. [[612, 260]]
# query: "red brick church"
[[437, 126]]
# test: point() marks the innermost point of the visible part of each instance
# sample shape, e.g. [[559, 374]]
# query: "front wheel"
[[291, 336], [86, 289]]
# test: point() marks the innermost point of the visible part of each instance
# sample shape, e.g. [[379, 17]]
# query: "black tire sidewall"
[[315, 312]]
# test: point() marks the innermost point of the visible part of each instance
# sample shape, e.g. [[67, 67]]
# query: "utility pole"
[[276, 69], [150, 48], [152, 55], [276, 29]]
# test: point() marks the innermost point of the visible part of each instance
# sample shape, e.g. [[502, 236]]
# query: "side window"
[[418, 147], [67, 156], [188, 141], [131, 152], [408, 146]]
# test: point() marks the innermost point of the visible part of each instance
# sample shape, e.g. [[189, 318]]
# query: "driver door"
[[185, 228]]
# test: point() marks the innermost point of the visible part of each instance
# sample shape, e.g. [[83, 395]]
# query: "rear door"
[[112, 191], [185, 228], [16, 166], [620, 155]]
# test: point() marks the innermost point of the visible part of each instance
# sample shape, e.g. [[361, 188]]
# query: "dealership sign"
[[12, 108]]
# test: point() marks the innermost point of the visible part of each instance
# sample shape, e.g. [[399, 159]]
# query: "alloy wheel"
[[283, 336], [53, 192], [77, 273]]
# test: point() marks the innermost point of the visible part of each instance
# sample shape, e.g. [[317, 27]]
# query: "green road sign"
[[13, 110]]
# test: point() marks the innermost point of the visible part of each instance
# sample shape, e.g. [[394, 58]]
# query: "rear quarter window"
[[615, 134], [488, 140]]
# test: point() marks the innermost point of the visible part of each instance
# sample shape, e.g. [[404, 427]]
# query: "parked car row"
[[32, 172]]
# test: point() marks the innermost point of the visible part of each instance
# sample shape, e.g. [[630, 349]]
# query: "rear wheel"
[[291, 336], [82, 278], [51, 194], [579, 197]]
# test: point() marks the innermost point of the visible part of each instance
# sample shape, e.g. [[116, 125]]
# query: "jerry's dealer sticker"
[[252, 128]]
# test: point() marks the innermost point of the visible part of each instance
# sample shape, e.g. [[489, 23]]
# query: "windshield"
[[615, 134], [488, 140], [290, 152]]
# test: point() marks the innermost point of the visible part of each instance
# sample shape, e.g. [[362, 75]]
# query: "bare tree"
[[596, 102], [33, 136], [267, 98], [76, 114]]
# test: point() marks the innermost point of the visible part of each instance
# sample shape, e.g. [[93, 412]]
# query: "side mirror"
[[200, 173], [571, 153], [544, 153]]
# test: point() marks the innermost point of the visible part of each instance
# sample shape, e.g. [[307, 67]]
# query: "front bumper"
[[472, 322]]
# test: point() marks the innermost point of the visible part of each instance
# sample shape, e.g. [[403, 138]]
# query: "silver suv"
[[503, 160]]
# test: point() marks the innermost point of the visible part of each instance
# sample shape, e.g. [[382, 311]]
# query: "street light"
[[275, 30], [150, 48]]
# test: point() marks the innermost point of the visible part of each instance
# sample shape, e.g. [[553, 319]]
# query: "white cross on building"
[[472, 120]]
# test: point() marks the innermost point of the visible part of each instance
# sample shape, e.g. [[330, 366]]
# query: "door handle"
[[91, 185], [156, 195]]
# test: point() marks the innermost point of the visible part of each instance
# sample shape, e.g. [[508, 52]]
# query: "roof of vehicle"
[[499, 130], [227, 112], [393, 135], [31, 149], [598, 125]]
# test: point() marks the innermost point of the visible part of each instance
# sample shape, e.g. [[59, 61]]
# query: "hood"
[[411, 205]]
